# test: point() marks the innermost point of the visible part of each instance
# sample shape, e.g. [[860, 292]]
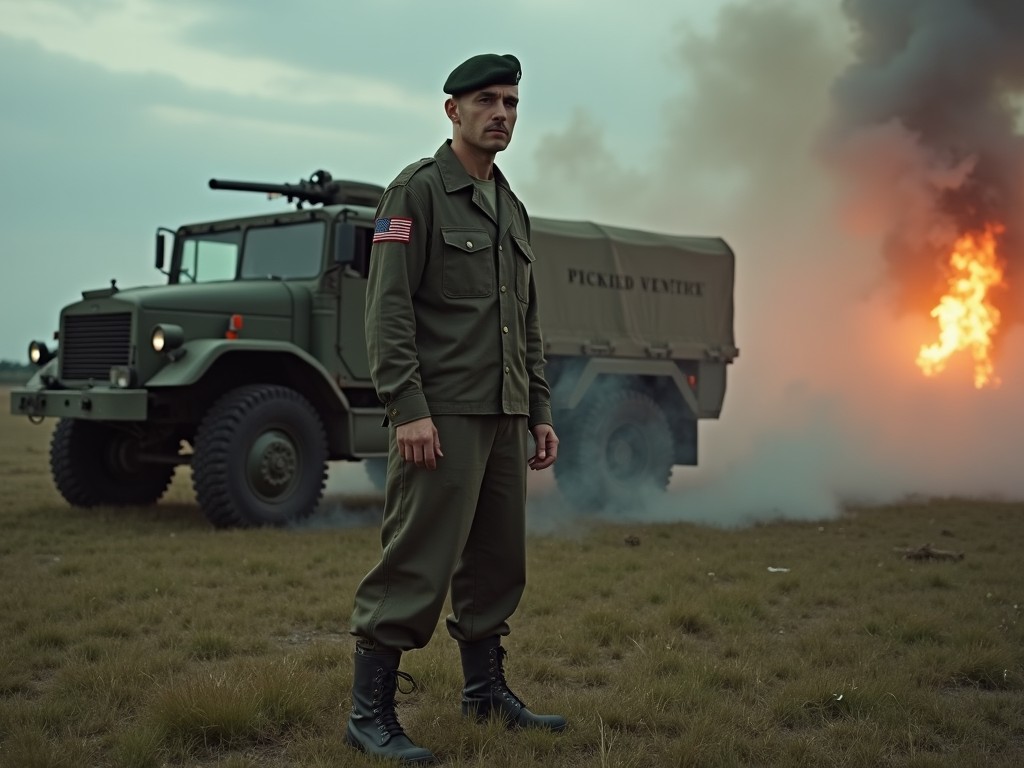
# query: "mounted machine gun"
[[319, 189]]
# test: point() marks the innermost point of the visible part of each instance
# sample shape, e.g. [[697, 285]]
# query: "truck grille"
[[91, 344]]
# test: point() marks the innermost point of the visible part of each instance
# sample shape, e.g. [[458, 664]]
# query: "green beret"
[[483, 70]]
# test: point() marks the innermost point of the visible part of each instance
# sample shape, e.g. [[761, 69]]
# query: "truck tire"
[[260, 458], [94, 464], [615, 451]]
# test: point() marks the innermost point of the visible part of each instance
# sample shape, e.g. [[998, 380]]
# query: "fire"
[[966, 316]]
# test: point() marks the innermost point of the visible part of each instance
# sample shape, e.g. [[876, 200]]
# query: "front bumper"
[[96, 404]]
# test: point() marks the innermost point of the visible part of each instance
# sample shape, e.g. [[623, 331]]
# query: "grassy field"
[[141, 638]]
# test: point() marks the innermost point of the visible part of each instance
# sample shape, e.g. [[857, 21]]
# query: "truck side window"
[[282, 252], [352, 246], [209, 258], [364, 239]]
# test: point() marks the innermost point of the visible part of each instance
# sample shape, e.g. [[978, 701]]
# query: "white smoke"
[[825, 405]]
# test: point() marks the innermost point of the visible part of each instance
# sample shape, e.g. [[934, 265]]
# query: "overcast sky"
[[686, 116], [117, 112]]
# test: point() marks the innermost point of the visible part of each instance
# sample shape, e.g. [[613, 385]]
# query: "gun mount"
[[319, 189]]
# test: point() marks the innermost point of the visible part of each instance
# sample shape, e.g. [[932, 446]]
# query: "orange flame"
[[967, 318]]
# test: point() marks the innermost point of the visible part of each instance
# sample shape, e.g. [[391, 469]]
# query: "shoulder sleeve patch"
[[392, 229]]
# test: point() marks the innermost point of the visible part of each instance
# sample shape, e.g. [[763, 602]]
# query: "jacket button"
[[507, 369], [500, 249], [504, 329], [469, 243], [504, 289]]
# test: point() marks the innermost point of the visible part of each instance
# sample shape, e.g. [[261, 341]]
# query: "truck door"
[[354, 241]]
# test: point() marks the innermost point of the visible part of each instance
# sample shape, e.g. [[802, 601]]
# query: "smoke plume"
[[838, 157], [925, 132]]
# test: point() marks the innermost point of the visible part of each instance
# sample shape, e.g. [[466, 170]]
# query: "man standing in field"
[[456, 357]]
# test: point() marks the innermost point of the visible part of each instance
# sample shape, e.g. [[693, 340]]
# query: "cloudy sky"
[[687, 116], [117, 112]]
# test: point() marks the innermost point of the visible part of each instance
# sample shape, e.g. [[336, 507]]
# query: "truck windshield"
[[211, 257], [258, 253]]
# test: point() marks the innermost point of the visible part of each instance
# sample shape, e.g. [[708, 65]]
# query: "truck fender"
[[200, 355], [570, 397], [40, 375]]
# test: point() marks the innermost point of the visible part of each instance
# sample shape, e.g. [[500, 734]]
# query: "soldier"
[[456, 357]]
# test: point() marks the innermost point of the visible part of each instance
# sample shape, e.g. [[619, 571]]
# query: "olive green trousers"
[[461, 526]]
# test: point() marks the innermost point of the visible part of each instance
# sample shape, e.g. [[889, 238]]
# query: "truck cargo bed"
[[634, 293]]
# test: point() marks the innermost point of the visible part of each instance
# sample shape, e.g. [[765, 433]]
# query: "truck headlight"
[[39, 353], [122, 376], [167, 337]]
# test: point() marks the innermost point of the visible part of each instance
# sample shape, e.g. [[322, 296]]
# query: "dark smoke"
[[925, 129], [825, 406]]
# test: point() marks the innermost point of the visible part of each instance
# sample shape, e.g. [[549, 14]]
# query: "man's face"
[[486, 118]]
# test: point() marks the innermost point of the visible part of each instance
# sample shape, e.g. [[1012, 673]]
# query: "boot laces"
[[498, 683], [387, 682]]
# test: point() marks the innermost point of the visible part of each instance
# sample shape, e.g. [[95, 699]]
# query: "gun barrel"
[[321, 188], [252, 186]]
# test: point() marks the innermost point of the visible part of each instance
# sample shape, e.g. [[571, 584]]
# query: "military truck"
[[249, 362]]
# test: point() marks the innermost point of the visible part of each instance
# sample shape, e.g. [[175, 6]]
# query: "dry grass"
[[142, 638]]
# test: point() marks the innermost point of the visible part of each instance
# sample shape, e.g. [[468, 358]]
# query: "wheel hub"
[[273, 465], [123, 456], [627, 452]]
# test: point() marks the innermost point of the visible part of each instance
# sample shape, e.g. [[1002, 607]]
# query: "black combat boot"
[[373, 726], [487, 693]]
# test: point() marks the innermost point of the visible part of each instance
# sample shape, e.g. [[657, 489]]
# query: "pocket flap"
[[524, 247], [469, 240]]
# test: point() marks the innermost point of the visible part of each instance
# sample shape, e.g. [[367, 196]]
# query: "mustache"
[[497, 127]]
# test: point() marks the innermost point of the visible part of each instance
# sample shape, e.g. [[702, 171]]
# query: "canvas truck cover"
[[639, 294]]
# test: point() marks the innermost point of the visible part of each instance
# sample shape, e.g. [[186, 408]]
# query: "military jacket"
[[451, 305]]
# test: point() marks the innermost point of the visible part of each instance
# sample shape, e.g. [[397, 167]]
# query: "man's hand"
[[547, 446], [418, 442]]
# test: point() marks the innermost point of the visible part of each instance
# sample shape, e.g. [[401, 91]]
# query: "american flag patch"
[[394, 229]]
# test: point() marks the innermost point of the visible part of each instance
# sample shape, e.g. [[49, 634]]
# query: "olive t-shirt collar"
[[454, 175]]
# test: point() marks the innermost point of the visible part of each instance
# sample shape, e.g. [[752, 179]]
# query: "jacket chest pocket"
[[524, 267], [468, 269]]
